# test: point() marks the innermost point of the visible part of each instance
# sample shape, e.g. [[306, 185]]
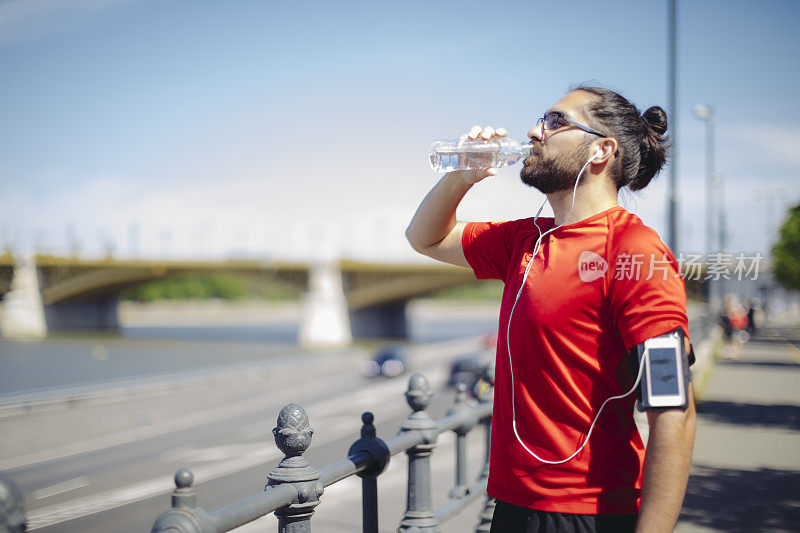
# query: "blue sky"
[[211, 129]]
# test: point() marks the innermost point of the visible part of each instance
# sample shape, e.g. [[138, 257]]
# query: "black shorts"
[[509, 518]]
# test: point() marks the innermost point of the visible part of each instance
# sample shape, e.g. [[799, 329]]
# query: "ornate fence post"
[[371, 444], [185, 516], [419, 515], [486, 395], [460, 405], [293, 437]]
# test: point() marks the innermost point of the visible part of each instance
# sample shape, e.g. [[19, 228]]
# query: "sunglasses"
[[555, 119]]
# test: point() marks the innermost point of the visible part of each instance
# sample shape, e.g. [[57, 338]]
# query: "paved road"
[[107, 465], [746, 467]]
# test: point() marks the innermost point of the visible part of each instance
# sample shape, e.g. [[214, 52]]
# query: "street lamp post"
[[706, 114], [723, 219], [672, 85]]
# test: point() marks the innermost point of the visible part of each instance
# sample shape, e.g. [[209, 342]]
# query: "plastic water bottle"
[[453, 154]]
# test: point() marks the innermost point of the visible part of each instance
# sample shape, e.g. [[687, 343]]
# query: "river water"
[[156, 347]]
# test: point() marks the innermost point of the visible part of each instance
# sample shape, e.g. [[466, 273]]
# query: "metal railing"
[[294, 487]]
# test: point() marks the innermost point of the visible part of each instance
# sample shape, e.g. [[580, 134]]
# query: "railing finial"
[[367, 419], [185, 516], [293, 431], [293, 437], [184, 495], [461, 393], [419, 393], [371, 444]]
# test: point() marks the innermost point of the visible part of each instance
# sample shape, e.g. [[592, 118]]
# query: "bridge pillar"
[[384, 321], [324, 320], [99, 313], [23, 312]]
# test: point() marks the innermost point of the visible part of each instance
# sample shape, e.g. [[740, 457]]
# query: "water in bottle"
[[456, 154]]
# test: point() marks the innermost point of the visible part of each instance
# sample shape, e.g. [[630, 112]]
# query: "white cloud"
[[27, 20]]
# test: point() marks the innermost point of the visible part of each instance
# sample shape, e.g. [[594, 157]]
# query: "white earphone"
[[598, 153]]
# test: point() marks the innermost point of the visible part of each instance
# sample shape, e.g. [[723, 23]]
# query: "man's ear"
[[608, 147]]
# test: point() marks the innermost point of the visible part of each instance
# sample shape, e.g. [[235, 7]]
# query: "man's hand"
[[434, 230], [471, 177]]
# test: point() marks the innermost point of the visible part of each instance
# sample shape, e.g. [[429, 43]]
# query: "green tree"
[[224, 285], [786, 252], [190, 286]]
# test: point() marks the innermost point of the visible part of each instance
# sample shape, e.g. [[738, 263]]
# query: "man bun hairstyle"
[[642, 141]]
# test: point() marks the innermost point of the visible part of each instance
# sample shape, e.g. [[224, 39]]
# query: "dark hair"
[[642, 143]]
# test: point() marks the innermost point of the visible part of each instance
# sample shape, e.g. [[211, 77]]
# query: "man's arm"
[[434, 230], [666, 467]]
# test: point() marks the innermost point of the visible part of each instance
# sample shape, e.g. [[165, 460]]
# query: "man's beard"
[[552, 174]]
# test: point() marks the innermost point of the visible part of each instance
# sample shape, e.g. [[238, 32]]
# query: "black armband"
[[664, 380]]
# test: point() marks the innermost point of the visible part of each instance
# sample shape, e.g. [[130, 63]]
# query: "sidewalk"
[[746, 465]]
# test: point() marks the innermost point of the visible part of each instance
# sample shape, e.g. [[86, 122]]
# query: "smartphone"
[[665, 380]]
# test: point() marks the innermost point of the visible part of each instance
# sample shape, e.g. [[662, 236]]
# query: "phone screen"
[[663, 371]]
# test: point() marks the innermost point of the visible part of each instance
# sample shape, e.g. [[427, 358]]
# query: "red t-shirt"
[[570, 331]]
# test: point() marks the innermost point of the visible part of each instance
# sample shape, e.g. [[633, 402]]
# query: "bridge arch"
[[84, 294]]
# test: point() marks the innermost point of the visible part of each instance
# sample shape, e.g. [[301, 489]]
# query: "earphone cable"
[[508, 333]]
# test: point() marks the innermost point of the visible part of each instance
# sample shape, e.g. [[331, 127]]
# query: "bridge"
[[342, 299]]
